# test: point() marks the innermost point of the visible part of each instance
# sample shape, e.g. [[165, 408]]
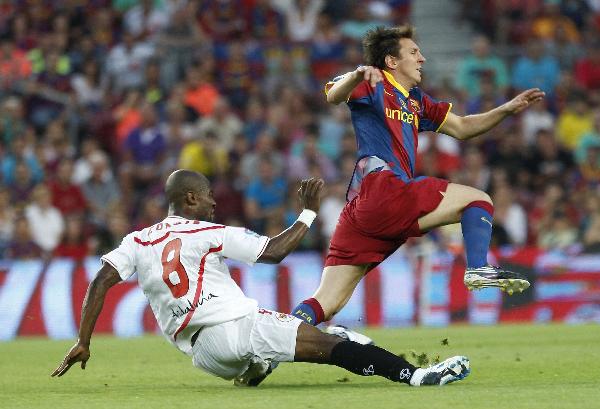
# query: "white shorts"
[[226, 350]]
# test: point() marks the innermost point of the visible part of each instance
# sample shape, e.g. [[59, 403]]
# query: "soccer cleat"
[[255, 374], [451, 370], [491, 276], [344, 332]]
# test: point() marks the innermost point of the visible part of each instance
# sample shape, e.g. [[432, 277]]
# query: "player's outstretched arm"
[[92, 305], [286, 241], [340, 91], [466, 127]]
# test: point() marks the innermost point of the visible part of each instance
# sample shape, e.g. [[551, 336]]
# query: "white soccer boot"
[[451, 370], [343, 332], [256, 373]]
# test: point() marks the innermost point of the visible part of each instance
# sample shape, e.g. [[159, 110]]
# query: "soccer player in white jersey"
[[200, 309]]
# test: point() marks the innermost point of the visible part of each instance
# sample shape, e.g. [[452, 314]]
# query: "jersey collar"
[[395, 83]]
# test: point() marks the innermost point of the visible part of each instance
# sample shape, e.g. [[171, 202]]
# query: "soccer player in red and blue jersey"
[[387, 204]]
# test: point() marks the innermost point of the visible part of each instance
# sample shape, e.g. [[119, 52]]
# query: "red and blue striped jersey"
[[387, 120]]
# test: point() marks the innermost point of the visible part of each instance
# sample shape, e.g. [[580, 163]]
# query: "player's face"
[[205, 205], [410, 62]]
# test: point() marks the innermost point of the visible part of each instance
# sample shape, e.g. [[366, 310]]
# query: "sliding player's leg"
[[314, 346], [474, 210]]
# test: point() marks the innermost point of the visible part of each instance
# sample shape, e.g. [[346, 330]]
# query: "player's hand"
[[370, 73], [524, 100], [310, 193], [78, 353]]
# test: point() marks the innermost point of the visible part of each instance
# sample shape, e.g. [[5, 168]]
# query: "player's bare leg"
[[337, 286], [314, 346], [473, 209]]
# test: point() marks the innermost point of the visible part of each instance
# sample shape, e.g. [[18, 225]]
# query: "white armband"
[[307, 217]]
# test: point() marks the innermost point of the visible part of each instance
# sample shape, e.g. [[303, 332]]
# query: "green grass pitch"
[[516, 366]]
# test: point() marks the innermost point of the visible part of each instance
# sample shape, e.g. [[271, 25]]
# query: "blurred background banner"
[[38, 298]]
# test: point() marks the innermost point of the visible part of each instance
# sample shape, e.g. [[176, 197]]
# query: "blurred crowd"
[[100, 100]]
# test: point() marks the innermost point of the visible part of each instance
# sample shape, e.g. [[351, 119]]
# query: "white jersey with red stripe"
[[181, 268]]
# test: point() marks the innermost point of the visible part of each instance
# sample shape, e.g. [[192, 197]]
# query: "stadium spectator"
[[589, 168], [300, 16], [145, 19], [179, 43], [587, 69], [574, 121], [126, 63], [100, 190], [112, 233], [566, 52], [536, 70], [66, 196], [306, 156], [21, 246], [590, 225], [509, 214], [200, 93], [12, 120], [204, 154], [265, 196], [74, 243], [331, 130], [534, 119], [7, 220], [20, 151], [144, 148], [22, 186], [359, 23], [544, 26], [481, 64], [549, 161], [222, 122], [14, 65], [89, 86], [327, 49], [82, 167], [560, 233], [264, 148], [254, 121], [49, 92], [45, 221], [589, 139], [475, 172]]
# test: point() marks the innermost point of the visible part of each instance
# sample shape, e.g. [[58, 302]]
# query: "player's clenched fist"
[[310, 193], [369, 73]]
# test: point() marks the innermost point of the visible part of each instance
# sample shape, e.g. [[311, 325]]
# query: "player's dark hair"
[[182, 181], [383, 41]]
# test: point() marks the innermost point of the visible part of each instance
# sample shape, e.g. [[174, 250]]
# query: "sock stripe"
[[482, 204], [316, 306]]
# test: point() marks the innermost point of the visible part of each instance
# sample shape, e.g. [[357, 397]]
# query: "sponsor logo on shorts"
[[284, 317]]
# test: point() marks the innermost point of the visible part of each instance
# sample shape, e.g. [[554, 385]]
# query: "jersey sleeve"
[[361, 94], [123, 257], [243, 245], [434, 113]]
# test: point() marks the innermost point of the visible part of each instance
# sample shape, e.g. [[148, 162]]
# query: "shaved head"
[[182, 181]]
